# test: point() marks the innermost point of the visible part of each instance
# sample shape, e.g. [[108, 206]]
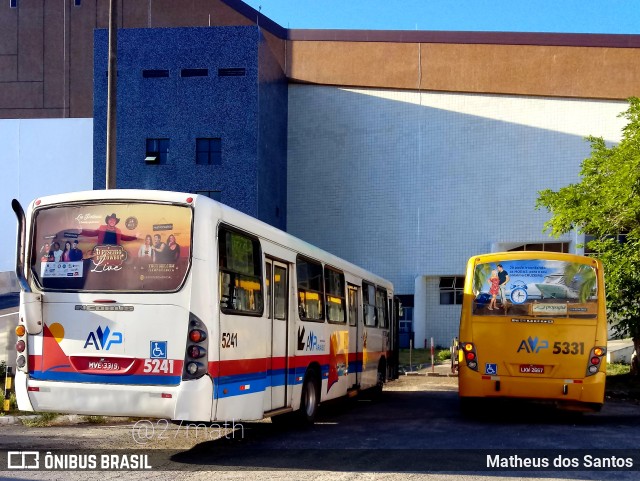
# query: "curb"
[[60, 420], [430, 374]]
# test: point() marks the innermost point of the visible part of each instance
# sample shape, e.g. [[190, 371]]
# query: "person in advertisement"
[[109, 234], [146, 250], [75, 254], [173, 249], [503, 277], [66, 253], [159, 249], [494, 280]]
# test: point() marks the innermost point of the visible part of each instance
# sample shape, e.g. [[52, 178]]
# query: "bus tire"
[[309, 399], [381, 378]]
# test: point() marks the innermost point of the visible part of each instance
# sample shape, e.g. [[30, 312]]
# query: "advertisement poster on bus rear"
[[119, 247], [540, 288]]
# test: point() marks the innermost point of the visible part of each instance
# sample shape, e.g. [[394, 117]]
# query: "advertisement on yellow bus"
[[533, 326]]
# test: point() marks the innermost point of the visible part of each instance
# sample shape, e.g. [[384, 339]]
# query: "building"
[[405, 152]]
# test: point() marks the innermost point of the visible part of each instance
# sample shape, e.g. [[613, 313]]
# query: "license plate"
[[531, 369]]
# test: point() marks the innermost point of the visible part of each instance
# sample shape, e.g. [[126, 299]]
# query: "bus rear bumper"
[[190, 400], [568, 393]]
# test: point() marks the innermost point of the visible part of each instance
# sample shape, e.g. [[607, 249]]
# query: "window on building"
[[588, 251], [310, 290], [212, 194], [209, 151], [13, 3], [451, 290], [157, 151], [77, 3], [543, 246]]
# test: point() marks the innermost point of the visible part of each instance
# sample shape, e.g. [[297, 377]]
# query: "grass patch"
[[621, 384], [40, 421], [423, 356], [617, 369], [95, 419]]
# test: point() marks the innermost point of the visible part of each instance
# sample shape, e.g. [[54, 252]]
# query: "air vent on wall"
[[155, 73], [231, 72], [194, 72]]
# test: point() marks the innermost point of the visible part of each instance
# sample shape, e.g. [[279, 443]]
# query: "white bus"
[[171, 305]]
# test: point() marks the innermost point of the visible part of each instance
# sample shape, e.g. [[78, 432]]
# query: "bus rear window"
[[112, 247], [535, 288]]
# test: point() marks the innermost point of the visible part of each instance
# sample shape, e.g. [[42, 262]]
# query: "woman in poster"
[[494, 280], [173, 249], [66, 253], [146, 250]]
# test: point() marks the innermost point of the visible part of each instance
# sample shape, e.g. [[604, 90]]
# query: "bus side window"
[[240, 273], [310, 290], [336, 302], [369, 301], [381, 306]]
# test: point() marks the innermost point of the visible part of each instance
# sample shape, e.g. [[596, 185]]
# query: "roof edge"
[[258, 18], [455, 37]]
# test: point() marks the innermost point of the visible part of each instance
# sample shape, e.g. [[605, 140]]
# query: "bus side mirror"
[[31, 311]]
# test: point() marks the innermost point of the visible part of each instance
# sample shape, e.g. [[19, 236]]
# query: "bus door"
[[355, 335], [277, 353]]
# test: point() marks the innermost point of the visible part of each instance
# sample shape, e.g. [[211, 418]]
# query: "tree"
[[606, 205]]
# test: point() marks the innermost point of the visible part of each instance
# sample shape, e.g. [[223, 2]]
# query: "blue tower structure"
[[200, 110]]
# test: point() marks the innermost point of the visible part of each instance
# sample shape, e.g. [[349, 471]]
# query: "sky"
[[559, 16]]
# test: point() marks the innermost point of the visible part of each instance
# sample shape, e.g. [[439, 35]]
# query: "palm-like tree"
[[483, 271], [585, 275]]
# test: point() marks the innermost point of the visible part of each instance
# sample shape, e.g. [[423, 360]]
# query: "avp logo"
[[312, 341], [532, 344], [103, 339]]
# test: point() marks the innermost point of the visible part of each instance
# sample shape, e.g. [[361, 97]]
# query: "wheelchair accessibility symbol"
[[491, 369], [158, 350]]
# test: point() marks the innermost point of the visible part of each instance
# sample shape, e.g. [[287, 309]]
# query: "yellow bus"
[[533, 326]]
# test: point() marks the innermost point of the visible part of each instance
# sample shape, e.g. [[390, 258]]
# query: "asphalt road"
[[9, 300], [414, 431]]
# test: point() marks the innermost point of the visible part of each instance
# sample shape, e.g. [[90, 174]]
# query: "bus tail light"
[[196, 352], [21, 346], [193, 368], [595, 360], [195, 361], [470, 355], [197, 335]]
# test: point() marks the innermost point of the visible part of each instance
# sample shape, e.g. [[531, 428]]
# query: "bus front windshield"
[[535, 288], [131, 246]]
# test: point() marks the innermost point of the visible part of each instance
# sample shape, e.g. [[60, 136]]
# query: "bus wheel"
[[381, 379], [309, 399]]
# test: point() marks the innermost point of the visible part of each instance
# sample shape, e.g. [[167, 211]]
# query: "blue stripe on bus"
[[106, 378], [257, 381]]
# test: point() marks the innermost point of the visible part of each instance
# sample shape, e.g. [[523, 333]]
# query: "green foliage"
[[443, 355], [39, 421], [96, 419], [604, 204], [617, 369]]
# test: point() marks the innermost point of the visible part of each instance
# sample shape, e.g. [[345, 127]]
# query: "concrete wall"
[[39, 157], [247, 112], [417, 182]]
